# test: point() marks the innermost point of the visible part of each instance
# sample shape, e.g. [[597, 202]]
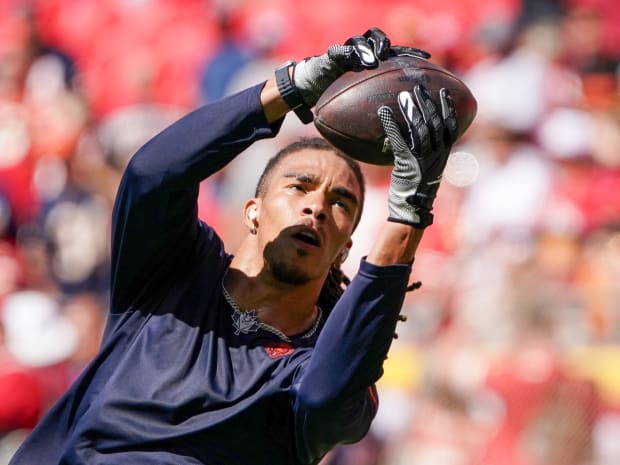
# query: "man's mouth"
[[308, 237]]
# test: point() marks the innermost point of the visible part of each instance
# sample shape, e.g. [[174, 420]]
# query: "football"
[[346, 113]]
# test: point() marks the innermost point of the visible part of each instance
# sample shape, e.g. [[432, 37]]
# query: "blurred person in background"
[[584, 34], [40, 111], [204, 350], [248, 38], [74, 220], [20, 49], [230, 56], [21, 404], [548, 413], [36, 342], [41, 338], [598, 287]]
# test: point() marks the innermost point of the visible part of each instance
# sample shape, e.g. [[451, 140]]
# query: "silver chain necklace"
[[246, 321]]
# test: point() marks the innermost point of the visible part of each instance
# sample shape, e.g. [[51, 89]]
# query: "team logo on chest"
[[245, 322], [278, 349]]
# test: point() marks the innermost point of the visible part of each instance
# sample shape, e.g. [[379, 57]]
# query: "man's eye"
[[297, 187], [342, 205]]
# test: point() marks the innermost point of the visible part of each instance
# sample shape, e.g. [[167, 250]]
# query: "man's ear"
[[344, 253], [250, 214]]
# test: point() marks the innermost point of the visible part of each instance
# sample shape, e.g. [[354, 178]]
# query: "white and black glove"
[[402, 50], [419, 157], [313, 75]]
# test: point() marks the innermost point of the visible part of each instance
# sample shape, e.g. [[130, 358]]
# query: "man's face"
[[307, 214]]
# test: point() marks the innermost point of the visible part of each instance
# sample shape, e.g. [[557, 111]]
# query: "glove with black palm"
[[419, 158], [313, 75]]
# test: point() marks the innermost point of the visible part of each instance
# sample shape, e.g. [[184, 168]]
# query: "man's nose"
[[316, 206]]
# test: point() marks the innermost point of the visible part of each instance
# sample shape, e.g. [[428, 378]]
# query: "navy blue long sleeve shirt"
[[175, 382]]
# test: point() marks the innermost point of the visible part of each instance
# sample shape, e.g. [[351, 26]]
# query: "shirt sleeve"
[[335, 399], [155, 219]]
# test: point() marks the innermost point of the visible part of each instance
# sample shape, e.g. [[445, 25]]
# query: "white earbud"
[[252, 217], [344, 253]]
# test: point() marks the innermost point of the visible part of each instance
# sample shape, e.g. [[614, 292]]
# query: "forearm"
[[274, 106], [334, 393], [202, 142], [397, 244], [357, 334], [343, 422]]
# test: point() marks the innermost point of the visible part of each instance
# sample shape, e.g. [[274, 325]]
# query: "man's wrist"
[[402, 211], [290, 94], [420, 219]]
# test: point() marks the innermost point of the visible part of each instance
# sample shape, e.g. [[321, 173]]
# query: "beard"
[[284, 270]]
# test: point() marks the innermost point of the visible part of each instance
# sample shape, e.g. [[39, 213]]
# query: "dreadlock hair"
[[336, 280]]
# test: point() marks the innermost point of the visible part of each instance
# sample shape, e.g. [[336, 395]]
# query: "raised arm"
[[155, 220], [335, 395]]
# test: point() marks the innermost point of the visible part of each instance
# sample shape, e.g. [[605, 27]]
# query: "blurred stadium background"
[[511, 351]]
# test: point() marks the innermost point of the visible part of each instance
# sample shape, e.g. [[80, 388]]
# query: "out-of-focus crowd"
[[511, 351]]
